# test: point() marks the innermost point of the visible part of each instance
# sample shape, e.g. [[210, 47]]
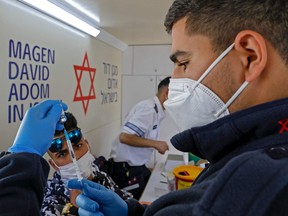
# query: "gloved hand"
[[97, 200], [38, 126]]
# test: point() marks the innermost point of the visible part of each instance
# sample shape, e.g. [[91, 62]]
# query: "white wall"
[[34, 31], [143, 68]]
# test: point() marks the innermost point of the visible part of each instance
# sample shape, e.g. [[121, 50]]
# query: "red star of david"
[[79, 70]]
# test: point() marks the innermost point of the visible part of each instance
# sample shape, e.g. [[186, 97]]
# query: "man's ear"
[[51, 162], [166, 93], [253, 53]]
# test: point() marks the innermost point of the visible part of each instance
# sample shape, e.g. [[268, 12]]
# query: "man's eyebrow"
[[175, 55], [62, 151]]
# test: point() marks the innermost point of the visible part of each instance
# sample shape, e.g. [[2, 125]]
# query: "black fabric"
[[276, 208], [3, 153], [23, 177], [248, 172], [125, 175], [234, 131], [135, 208], [74, 211]]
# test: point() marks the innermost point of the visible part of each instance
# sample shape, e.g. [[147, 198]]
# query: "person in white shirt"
[[133, 148]]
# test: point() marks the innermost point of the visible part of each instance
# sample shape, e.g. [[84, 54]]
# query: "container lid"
[[187, 172]]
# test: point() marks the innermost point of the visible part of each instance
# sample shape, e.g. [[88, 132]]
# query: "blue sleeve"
[[23, 177]]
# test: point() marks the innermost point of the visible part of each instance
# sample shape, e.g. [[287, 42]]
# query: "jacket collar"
[[215, 140]]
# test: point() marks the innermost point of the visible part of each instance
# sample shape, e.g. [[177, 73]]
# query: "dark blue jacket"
[[23, 177], [248, 172]]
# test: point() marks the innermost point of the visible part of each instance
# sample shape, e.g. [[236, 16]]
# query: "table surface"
[[157, 185]]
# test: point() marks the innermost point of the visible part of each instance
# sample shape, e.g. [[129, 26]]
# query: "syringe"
[[63, 119]]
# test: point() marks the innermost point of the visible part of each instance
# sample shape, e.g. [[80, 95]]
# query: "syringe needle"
[[63, 119], [72, 154]]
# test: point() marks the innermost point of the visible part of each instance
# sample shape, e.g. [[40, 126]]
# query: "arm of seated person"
[[136, 141]]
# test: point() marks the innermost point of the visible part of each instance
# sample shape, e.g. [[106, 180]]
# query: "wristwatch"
[[69, 209]]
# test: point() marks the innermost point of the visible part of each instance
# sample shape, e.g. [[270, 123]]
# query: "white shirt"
[[144, 121]]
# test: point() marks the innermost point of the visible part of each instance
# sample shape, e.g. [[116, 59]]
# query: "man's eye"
[[183, 64], [61, 154], [77, 146]]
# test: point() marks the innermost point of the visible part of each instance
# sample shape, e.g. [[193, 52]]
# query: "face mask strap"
[[55, 163], [237, 93], [217, 60]]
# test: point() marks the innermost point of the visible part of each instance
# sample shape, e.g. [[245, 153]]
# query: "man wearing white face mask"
[[228, 94], [58, 198], [203, 104]]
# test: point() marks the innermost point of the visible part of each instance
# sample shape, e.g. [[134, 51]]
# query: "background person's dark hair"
[[70, 124], [164, 82], [222, 20]]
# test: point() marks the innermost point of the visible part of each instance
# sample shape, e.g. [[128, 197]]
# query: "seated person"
[[57, 195]]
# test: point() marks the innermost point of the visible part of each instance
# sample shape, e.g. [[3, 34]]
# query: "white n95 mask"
[[68, 171], [191, 104], [190, 107]]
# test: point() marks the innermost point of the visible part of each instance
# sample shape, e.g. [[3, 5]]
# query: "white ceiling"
[[134, 22]]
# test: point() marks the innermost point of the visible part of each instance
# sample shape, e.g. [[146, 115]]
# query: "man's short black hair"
[[164, 82], [222, 20], [71, 123]]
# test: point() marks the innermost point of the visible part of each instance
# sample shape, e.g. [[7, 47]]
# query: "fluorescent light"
[[63, 15], [83, 10]]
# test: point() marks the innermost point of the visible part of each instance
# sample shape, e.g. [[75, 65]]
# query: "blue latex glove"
[[96, 200], [38, 126]]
